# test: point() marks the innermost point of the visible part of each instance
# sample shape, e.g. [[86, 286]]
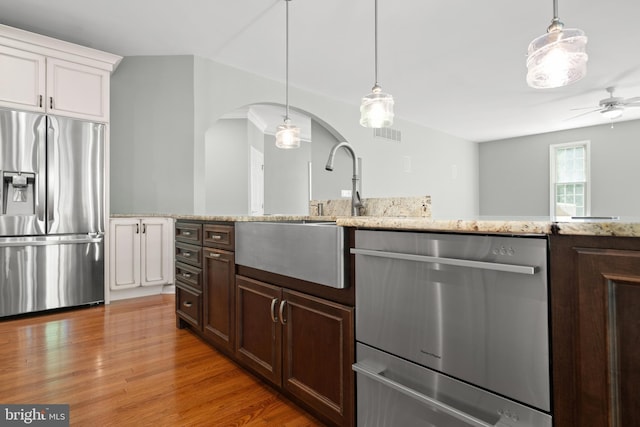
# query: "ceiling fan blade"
[[583, 114], [629, 101], [581, 108]]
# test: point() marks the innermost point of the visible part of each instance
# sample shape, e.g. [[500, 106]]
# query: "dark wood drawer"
[[189, 254], [219, 236], [189, 232], [189, 275], [189, 305]]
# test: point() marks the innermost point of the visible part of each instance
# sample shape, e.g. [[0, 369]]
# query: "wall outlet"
[[345, 193]]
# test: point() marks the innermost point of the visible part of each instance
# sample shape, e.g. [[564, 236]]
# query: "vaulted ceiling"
[[456, 65]]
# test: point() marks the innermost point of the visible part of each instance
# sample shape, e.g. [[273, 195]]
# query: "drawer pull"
[[377, 375], [187, 304], [186, 275], [186, 254], [216, 237], [214, 255], [186, 233]]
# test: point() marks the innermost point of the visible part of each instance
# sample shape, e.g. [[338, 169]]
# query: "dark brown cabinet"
[[219, 298], [301, 343], [205, 281], [188, 274], [595, 306]]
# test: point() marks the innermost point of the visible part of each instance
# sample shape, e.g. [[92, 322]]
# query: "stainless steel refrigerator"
[[51, 212]]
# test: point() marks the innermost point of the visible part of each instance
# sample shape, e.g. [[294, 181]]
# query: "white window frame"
[[553, 148]]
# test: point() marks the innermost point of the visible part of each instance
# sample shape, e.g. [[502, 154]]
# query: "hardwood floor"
[[127, 364]]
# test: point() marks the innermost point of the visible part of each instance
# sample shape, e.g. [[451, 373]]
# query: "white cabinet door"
[[22, 79], [156, 251], [141, 252], [77, 90], [124, 268]]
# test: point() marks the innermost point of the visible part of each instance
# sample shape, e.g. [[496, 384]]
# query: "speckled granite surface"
[[419, 207], [625, 227], [629, 227], [508, 226]]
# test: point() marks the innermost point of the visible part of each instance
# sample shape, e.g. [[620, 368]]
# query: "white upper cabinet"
[[77, 90], [51, 76], [22, 83]]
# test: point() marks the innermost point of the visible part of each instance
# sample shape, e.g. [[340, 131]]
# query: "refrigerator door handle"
[[46, 241], [52, 166], [42, 130]]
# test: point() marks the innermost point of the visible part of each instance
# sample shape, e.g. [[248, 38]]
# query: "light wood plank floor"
[[126, 364]]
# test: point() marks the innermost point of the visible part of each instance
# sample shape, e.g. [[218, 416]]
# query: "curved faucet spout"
[[356, 203]]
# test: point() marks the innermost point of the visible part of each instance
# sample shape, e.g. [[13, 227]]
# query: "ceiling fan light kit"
[[376, 109], [287, 134], [612, 112], [557, 58]]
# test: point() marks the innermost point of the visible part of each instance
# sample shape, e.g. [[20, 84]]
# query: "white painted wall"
[[514, 173], [217, 89]]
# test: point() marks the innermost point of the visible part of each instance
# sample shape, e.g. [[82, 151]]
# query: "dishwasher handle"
[[426, 400], [510, 268]]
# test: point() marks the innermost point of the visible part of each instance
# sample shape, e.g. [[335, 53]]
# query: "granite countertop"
[[624, 227]]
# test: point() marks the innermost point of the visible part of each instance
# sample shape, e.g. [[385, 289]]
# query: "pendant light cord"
[[376, 43], [287, 63]]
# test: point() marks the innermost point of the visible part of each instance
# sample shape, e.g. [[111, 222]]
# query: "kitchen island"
[[594, 295]]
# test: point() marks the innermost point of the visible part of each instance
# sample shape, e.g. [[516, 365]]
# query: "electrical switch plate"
[[345, 193]]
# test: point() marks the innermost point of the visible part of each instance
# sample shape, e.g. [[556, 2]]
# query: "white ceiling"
[[453, 65]]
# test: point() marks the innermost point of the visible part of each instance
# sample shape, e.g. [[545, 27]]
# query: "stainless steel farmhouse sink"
[[308, 250]]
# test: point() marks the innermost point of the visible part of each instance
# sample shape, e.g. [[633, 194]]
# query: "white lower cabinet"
[[141, 252]]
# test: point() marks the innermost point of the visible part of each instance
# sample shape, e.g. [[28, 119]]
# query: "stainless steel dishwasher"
[[451, 330]]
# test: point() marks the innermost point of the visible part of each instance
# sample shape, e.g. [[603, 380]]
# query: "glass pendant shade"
[[287, 135], [557, 58], [376, 110]]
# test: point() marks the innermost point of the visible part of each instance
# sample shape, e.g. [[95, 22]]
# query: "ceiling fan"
[[612, 107]]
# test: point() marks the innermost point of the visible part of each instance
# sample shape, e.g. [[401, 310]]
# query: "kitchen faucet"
[[356, 203]]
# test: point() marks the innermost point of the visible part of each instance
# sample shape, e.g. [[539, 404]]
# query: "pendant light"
[[557, 58], [287, 134], [376, 109]]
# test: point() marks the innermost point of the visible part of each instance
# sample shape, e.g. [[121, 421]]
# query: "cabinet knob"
[[186, 275], [214, 255], [186, 233], [187, 304], [186, 254], [51, 102], [215, 237]]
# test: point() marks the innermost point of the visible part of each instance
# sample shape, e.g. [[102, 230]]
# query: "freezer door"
[[75, 175], [22, 173], [42, 273]]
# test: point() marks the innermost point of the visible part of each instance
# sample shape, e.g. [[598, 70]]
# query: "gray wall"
[[286, 178], [514, 173], [327, 185], [163, 109], [151, 137], [227, 168]]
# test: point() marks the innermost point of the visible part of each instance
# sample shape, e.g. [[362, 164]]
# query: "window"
[[570, 179]]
